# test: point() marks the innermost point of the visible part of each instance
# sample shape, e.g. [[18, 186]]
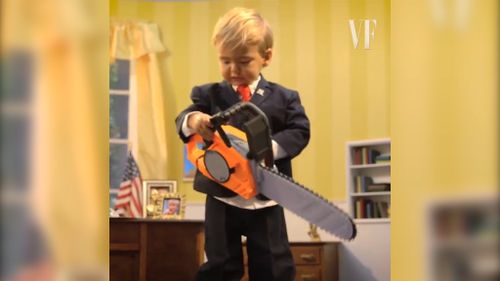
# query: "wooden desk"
[[314, 261], [154, 250]]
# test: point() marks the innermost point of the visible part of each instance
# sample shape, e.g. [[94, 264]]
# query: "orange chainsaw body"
[[240, 178]]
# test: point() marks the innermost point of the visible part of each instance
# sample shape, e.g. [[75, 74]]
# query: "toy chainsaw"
[[242, 161]]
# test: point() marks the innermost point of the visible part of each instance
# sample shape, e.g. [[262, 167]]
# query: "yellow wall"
[[344, 90], [444, 118]]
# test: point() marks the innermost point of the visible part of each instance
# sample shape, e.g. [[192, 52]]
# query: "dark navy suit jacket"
[[289, 123]]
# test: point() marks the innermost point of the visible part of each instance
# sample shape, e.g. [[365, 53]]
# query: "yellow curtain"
[[140, 42]]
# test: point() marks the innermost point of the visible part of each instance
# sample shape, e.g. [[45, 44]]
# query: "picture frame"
[[154, 189], [167, 206]]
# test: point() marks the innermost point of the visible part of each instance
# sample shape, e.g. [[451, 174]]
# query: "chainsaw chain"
[[290, 179]]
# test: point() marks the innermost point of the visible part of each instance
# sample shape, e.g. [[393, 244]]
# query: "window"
[[119, 132]]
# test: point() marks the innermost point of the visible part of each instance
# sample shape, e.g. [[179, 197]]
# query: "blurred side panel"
[[21, 242], [54, 139], [464, 240]]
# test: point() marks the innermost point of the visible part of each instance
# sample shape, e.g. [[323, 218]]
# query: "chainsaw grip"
[[223, 136]]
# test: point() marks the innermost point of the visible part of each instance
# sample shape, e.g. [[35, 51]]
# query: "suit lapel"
[[262, 92], [225, 97]]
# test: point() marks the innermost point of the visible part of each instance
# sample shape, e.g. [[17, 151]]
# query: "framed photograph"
[[172, 206], [167, 206], [153, 189]]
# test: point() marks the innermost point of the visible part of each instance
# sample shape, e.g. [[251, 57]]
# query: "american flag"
[[128, 201]]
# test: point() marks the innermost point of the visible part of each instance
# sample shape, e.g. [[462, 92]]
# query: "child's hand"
[[200, 123]]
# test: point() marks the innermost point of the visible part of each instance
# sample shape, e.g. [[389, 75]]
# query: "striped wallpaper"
[[344, 90]]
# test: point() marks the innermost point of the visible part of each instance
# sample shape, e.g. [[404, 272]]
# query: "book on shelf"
[[382, 206], [371, 209], [364, 155], [361, 183], [356, 157], [377, 187], [367, 184], [383, 158], [372, 155], [360, 212], [357, 209]]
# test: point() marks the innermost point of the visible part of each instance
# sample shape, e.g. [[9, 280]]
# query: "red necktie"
[[244, 92]]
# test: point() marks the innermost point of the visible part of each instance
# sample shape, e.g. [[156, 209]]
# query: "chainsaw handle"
[[223, 136], [256, 128], [221, 118], [248, 108]]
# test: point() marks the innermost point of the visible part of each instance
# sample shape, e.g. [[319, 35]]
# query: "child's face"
[[242, 67]]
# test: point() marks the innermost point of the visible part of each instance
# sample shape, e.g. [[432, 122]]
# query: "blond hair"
[[242, 27]]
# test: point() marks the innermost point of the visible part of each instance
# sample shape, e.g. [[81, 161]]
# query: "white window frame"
[[132, 139]]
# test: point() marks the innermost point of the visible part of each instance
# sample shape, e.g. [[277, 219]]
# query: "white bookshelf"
[[362, 173]]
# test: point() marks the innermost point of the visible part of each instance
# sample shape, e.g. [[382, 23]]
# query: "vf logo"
[[362, 27]]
